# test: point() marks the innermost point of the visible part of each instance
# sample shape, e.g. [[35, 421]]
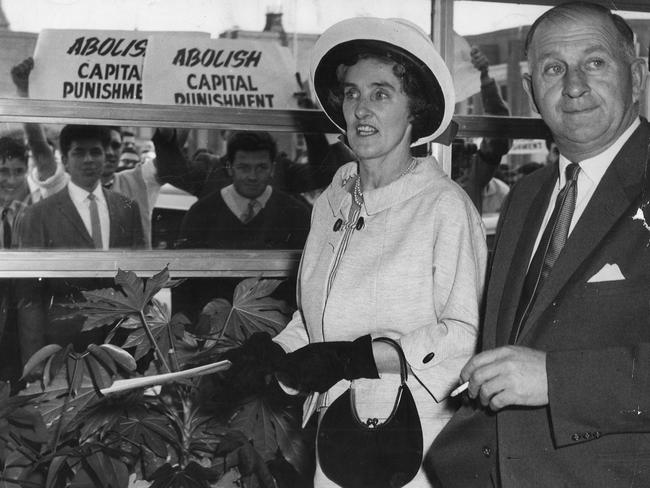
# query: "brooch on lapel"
[[347, 179]]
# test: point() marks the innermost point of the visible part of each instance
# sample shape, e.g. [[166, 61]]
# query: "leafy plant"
[[64, 431]]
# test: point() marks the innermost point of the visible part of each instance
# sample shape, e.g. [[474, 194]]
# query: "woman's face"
[[376, 109]]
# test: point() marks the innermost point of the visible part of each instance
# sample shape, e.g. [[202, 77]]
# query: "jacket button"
[[428, 357], [486, 451], [575, 437]]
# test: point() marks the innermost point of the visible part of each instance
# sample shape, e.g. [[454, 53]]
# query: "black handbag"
[[357, 454]]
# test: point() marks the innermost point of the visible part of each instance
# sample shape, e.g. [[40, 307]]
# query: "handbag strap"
[[373, 422], [403, 366]]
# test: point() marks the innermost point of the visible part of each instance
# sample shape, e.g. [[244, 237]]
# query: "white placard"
[[91, 65], [233, 73], [528, 146]]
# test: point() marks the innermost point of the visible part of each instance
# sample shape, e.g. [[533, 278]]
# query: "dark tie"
[[552, 241], [250, 211], [96, 229], [6, 228]]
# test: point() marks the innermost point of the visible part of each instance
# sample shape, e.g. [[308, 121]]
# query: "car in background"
[[168, 213]]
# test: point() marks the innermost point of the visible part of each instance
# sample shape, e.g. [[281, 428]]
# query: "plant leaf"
[[21, 426], [55, 402], [106, 306], [58, 463], [192, 476], [76, 369], [105, 470], [271, 427], [138, 291], [253, 310], [58, 361], [158, 320], [155, 431]]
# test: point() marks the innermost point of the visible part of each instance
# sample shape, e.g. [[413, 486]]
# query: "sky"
[[215, 16]]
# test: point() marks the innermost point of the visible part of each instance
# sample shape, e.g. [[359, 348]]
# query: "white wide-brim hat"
[[401, 39]]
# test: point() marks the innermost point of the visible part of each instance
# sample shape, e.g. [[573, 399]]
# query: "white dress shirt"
[[591, 172], [82, 204], [238, 204]]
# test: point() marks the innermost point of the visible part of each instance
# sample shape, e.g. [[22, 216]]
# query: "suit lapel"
[[515, 243], [617, 190], [113, 218], [69, 212]]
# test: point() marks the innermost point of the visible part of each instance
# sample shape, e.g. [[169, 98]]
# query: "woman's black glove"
[[253, 363], [320, 365]]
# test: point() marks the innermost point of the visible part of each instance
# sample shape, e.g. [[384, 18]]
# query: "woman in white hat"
[[396, 249]]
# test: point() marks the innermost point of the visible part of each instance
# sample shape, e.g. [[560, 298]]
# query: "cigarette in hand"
[[460, 389]]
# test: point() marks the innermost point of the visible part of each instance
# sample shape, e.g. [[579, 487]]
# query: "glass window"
[[497, 128]]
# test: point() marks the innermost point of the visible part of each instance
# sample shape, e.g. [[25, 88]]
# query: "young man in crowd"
[[82, 215], [15, 193], [249, 213]]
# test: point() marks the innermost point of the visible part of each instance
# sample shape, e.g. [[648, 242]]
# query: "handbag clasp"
[[372, 423]]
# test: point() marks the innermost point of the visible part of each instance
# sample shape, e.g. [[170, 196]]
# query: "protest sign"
[[90, 65], [219, 73]]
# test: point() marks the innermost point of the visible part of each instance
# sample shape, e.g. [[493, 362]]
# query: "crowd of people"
[[548, 339]]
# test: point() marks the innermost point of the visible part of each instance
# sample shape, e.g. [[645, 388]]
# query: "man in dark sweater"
[[249, 213]]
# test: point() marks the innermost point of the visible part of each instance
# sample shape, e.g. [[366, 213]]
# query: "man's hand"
[[479, 60], [506, 376], [168, 134], [304, 100], [20, 76]]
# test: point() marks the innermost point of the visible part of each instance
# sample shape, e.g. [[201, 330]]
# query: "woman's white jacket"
[[414, 272]]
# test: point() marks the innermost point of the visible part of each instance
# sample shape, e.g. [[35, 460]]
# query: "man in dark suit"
[[83, 215], [560, 394]]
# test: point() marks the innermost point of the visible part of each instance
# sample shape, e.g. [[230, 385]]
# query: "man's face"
[[582, 83], [13, 179], [85, 162], [112, 154], [251, 172]]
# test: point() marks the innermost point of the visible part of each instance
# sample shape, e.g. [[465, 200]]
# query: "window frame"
[[225, 263]]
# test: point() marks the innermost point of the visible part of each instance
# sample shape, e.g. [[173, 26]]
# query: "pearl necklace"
[[357, 194]]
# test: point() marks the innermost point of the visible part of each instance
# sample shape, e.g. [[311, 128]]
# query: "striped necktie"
[[95, 226], [250, 211], [552, 241], [6, 227]]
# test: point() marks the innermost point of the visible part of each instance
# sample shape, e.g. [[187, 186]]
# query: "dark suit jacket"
[[595, 432], [54, 223]]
